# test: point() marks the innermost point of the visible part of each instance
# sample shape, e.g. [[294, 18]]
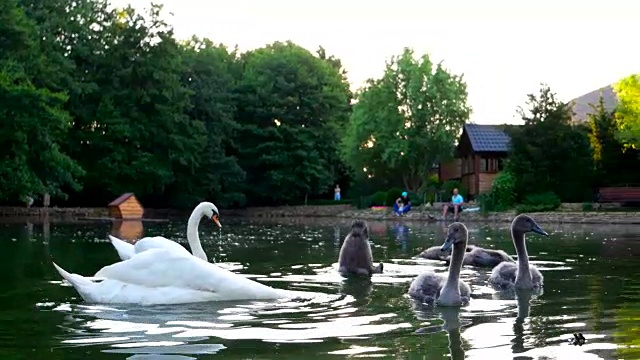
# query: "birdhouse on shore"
[[126, 207]]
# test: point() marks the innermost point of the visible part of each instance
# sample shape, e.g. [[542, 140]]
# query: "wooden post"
[[46, 228], [46, 200]]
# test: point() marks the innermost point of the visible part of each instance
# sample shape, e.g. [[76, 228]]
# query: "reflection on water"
[[128, 230], [401, 233], [591, 286], [165, 329]]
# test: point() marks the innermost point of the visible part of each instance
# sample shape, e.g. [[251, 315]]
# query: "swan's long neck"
[[523, 257], [455, 266], [192, 235]]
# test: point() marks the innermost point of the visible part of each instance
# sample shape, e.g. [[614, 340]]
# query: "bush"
[[502, 196], [416, 199], [546, 201], [448, 186], [392, 195], [431, 197], [430, 188], [587, 206], [379, 198], [364, 202]]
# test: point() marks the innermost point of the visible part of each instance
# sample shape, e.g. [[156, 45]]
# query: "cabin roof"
[[122, 198], [487, 138]]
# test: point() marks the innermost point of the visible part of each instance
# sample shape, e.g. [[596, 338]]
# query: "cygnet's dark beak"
[[215, 220], [538, 230], [448, 242]]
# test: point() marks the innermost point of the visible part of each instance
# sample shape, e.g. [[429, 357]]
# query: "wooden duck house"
[[126, 207]]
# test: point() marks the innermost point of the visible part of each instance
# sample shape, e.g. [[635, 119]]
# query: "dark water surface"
[[592, 286]]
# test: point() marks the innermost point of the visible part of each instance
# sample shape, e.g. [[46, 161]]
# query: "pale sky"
[[505, 49]]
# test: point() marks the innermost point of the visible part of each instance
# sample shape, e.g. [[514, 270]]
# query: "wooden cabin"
[[479, 157], [126, 207], [129, 230]]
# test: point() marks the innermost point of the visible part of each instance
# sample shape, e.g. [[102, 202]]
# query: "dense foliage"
[[406, 122], [553, 160], [628, 112], [548, 153], [99, 101], [502, 195], [612, 158]]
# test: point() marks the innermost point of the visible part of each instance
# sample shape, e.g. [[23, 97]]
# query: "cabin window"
[[490, 165]]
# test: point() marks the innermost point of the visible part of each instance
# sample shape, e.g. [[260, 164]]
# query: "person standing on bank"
[[454, 206], [402, 204], [336, 193]]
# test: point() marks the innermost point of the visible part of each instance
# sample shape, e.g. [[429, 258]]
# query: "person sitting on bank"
[[402, 204], [454, 206]]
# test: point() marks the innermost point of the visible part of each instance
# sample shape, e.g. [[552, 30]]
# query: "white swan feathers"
[[161, 273], [205, 209]]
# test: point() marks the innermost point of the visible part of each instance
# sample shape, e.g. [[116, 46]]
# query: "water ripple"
[[591, 287]]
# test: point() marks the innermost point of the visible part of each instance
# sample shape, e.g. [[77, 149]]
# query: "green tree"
[[547, 153], [32, 118], [406, 122], [611, 159], [211, 72], [339, 125], [291, 104], [131, 131], [628, 111]]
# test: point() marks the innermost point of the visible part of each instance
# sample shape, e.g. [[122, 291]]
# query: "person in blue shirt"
[[402, 204], [454, 206]]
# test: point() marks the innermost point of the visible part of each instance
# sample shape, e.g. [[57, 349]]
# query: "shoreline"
[[332, 211]]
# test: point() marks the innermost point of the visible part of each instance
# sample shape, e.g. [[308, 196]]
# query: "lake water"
[[591, 274]]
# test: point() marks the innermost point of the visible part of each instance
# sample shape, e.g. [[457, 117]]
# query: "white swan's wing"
[[158, 242], [124, 249], [156, 268], [114, 291]]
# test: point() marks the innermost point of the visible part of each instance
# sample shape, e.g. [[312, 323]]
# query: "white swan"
[[204, 209], [168, 275], [520, 275], [445, 290]]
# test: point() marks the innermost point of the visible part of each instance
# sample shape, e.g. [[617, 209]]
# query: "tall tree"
[[211, 72], [610, 158], [131, 132], [628, 111], [291, 104], [547, 153], [407, 121], [33, 120]]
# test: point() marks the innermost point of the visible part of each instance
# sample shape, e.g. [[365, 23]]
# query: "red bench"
[[619, 194]]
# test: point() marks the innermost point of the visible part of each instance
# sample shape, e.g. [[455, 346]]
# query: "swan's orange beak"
[[215, 220]]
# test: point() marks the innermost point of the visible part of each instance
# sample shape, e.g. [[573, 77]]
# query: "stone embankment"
[[593, 217], [53, 212], [568, 213]]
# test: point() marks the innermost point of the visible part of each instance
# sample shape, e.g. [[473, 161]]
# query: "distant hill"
[[581, 106]]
